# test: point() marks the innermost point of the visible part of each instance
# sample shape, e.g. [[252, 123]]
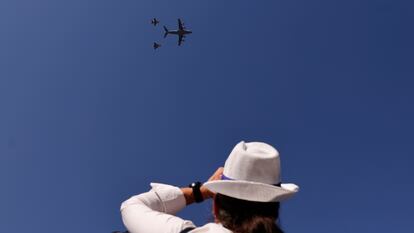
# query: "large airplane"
[[181, 32]]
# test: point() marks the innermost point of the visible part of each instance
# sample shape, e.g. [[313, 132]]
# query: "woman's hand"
[[216, 176], [188, 192]]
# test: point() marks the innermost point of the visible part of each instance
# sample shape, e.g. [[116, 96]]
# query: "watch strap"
[[195, 186]]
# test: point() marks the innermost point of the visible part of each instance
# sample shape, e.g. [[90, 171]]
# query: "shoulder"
[[211, 228]]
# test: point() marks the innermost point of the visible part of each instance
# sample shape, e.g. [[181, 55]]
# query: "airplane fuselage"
[[180, 32]]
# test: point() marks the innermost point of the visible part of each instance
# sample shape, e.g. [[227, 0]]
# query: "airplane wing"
[[180, 25], [180, 39]]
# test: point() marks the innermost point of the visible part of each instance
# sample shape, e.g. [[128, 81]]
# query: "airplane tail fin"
[[166, 31]]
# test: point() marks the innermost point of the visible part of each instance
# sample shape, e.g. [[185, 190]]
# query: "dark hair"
[[242, 216]]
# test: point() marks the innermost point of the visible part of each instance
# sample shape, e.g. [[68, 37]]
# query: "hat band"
[[223, 177]]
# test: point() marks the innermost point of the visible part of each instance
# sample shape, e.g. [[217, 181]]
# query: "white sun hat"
[[252, 173]]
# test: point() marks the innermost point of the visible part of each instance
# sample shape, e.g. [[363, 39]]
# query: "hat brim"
[[252, 191]]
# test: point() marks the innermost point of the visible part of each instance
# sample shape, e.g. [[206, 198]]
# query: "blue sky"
[[91, 114]]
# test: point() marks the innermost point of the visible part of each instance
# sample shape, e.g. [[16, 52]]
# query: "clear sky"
[[90, 114]]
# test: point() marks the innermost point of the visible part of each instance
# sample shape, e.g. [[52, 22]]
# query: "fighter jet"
[[154, 21], [156, 46], [181, 32]]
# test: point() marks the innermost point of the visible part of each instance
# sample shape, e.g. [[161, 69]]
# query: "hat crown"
[[254, 161]]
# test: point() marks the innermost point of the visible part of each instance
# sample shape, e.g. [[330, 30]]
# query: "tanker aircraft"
[[181, 32]]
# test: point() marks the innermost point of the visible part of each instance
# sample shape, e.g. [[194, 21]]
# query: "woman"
[[246, 194]]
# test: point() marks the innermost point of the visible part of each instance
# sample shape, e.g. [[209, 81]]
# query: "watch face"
[[198, 197], [195, 184]]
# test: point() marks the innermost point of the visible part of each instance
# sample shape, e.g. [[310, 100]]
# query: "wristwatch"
[[198, 197]]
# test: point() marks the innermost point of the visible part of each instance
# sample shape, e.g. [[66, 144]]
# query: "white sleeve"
[[153, 211]]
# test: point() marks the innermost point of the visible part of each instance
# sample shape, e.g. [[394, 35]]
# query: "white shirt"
[[153, 212]]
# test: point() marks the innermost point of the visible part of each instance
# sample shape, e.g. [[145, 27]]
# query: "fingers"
[[217, 174]]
